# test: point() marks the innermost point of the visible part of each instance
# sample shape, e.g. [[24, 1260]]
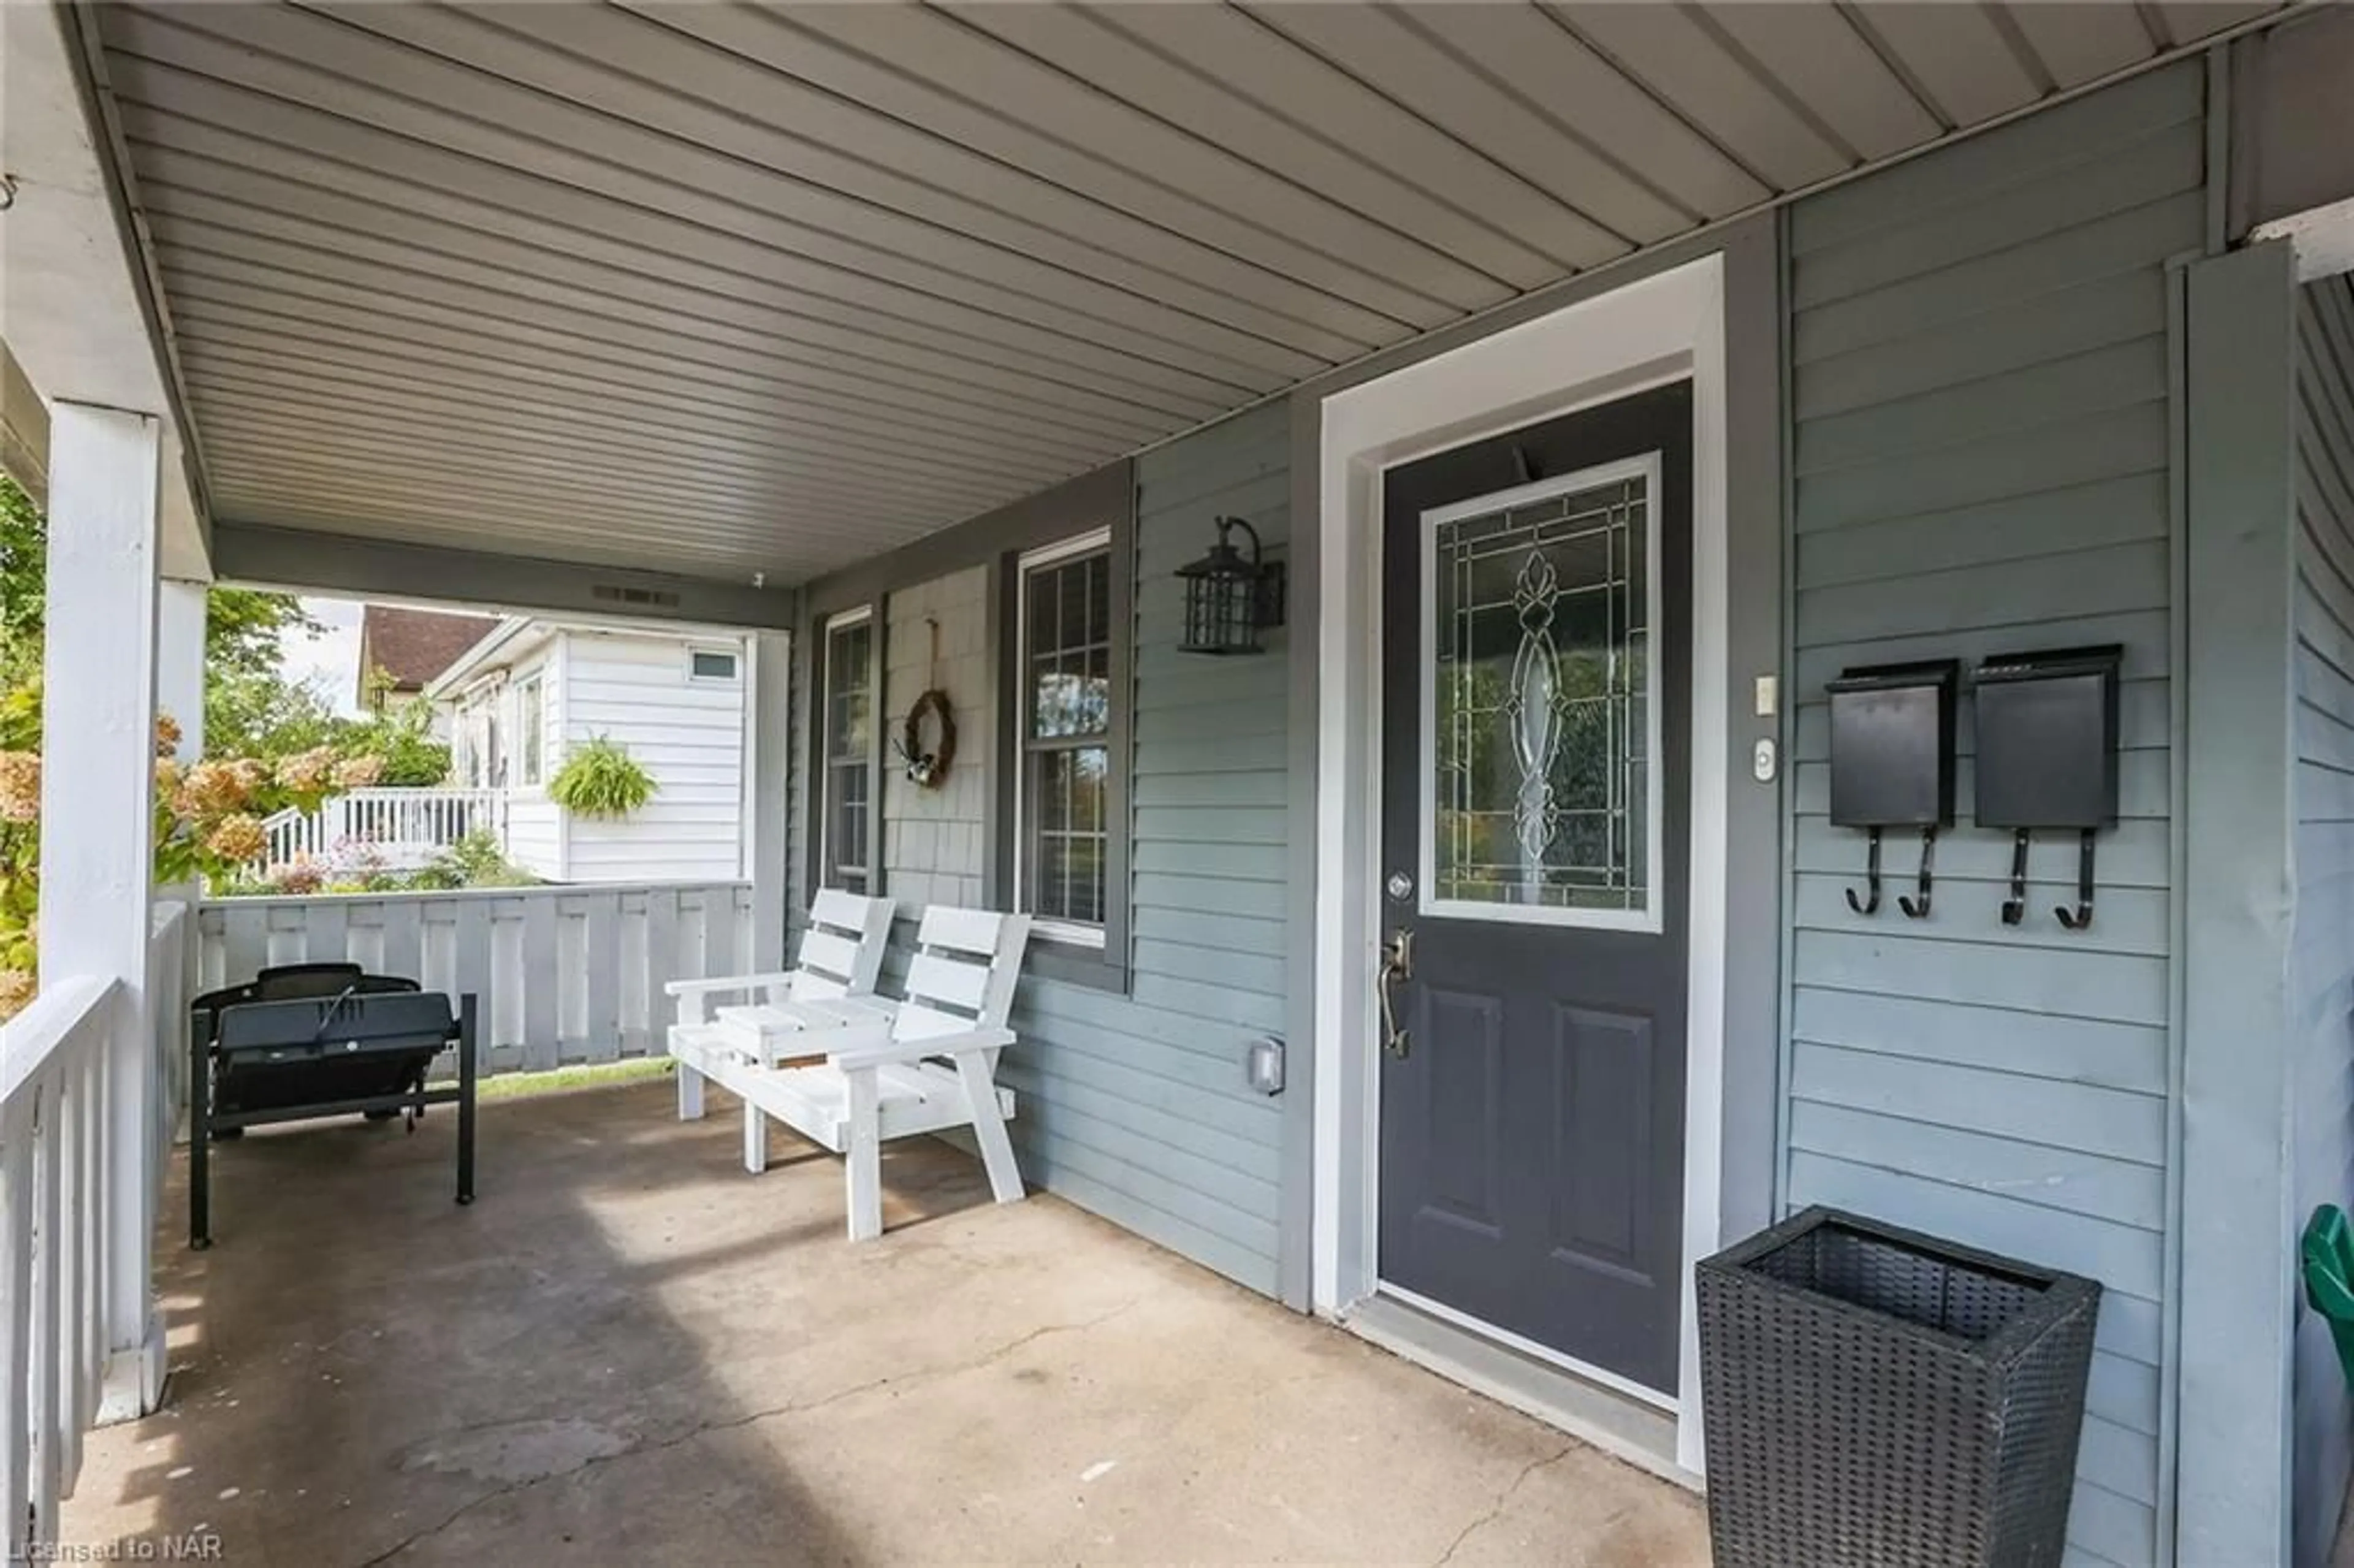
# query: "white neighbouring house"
[[519, 700]]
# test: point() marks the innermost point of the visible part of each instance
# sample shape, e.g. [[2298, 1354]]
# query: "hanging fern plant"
[[600, 779]]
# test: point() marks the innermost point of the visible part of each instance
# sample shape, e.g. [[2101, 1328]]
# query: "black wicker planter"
[[1880, 1398]]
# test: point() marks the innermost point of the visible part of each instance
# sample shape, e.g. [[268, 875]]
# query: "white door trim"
[[1657, 330]]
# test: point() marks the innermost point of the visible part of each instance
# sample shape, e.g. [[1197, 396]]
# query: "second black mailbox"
[[2047, 758], [1893, 762]]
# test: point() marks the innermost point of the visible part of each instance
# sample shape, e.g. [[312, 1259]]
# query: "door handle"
[[1397, 964]]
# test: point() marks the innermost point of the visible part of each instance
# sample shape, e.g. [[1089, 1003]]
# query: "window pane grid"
[[1066, 654], [848, 747]]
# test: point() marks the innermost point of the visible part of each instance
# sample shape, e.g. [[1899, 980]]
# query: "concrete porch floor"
[[629, 1351]]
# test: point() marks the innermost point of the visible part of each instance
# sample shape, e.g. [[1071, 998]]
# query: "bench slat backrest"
[[841, 952], [967, 964]]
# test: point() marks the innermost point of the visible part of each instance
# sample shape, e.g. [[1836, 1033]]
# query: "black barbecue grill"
[[320, 1040]]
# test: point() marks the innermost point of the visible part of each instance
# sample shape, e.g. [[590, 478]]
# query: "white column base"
[[134, 1384]]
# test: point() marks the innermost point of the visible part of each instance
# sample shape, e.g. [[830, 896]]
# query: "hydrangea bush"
[[208, 821]]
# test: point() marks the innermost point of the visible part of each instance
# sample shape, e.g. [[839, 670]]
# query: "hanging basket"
[[927, 765]]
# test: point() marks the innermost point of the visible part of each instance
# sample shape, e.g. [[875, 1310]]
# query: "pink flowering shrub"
[[208, 821]]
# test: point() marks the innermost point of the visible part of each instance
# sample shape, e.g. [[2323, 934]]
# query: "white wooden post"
[[180, 661], [97, 860]]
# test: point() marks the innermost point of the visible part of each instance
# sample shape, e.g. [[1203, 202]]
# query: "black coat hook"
[[2014, 908], [1870, 904], [2082, 915], [1920, 910]]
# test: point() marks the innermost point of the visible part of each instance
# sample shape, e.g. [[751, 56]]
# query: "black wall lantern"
[[1230, 600]]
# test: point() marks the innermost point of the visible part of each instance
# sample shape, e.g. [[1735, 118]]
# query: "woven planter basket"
[[1880, 1398]]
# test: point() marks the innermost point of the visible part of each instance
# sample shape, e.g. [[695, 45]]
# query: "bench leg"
[[690, 1093], [864, 1162], [470, 1069], [756, 1138], [989, 1129]]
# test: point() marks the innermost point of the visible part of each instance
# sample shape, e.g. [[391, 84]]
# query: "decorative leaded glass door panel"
[[1538, 700], [1536, 830]]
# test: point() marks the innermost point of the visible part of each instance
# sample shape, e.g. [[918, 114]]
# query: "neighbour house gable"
[[413, 647]]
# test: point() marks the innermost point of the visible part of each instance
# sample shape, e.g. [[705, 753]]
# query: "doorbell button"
[[1762, 762]]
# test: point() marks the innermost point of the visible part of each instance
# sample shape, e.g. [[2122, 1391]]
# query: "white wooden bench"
[[841, 959], [922, 1065]]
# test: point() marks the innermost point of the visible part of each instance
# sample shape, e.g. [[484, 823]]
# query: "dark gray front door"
[[1536, 722]]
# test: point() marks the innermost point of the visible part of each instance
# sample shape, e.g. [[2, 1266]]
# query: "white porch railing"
[[62, 1229], [564, 974], [404, 828]]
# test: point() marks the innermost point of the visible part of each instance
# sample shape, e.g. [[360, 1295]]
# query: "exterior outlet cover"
[[1264, 1065]]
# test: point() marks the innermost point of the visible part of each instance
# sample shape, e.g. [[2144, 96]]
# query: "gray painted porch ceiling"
[[718, 289]]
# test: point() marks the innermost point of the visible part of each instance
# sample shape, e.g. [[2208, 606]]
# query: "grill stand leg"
[[200, 1138]]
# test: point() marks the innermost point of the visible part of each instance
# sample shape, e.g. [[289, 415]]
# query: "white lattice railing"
[[65, 1229], [399, 828]]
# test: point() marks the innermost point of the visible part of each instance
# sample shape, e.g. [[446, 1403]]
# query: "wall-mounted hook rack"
[[2082, 915], [2014, 908], [1869, 902], [1918, 908]]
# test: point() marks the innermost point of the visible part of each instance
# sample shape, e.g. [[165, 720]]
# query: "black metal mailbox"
[[2047, 757], [1892, 745], [2047, 739], [1892, 761]]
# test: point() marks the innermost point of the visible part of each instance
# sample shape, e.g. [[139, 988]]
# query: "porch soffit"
[[718, 291]]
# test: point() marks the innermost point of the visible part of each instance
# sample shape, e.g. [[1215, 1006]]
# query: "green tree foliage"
[[251, 708], [400, 732], [24, 556]]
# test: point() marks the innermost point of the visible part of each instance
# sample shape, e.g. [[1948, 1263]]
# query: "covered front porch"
[[630, 1351], [928, 348]]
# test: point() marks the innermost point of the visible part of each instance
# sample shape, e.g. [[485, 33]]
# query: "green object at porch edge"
[[2328, 1252]]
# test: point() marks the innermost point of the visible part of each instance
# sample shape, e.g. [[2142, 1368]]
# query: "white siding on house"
[[687, 732], [535, 836]]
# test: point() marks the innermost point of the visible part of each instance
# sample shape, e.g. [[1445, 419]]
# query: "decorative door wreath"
[[928, 766]]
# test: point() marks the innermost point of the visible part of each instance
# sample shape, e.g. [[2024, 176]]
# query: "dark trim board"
[[350, 567]]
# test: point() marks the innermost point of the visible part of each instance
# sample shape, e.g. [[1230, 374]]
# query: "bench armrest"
[[892, 1053], [718, 983]]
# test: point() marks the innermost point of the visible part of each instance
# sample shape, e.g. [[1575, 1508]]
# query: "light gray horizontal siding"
[[1132, 1103], [1980, 464], [2322, 960], [1135, 1106]]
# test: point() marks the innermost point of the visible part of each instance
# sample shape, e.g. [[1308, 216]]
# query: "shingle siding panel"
[[1981, 453], [2322, 957]]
